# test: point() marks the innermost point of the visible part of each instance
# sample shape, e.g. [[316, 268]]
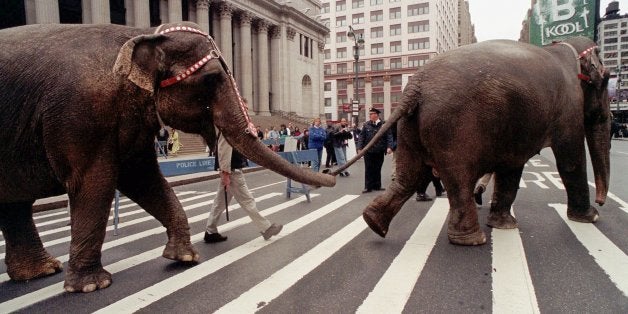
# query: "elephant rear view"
[[81, 105], [489, 107]]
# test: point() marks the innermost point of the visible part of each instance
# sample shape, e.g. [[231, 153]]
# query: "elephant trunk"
[[598, 140], [233, 125]]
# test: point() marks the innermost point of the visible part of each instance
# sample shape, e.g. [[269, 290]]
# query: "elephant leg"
[[571, 164], [144, 184], [463, 227], [26, 257], [506, 186], [90, 204]]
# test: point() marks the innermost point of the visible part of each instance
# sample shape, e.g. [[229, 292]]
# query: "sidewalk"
[[62, 200]]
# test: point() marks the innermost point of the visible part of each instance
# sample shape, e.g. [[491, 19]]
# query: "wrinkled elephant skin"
[[81, 105], [489, 108]]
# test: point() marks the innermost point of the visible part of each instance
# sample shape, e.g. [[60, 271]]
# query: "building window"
[[377, 65], [610, 26], [341, 84], [377, 49], [357, 4], [341, 5], [341, 68], [395, 30], [417, 61], [325, 8], [327, 87], [327, 39], [393, 1], [377, 16], [377, 81], [395, 46], [328, 101], [377, 32], [418, 9], [395, 63], [377, 98], [341, 37], [341, 53], [358, 18], [327, 69], [327, 54], [419, 26], [376, 2], [361, 83], [341, 21], [395, 13], [361, 66], [396, 80], [418, 43], [395, 97]]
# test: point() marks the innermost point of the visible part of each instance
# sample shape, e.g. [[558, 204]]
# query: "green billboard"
[[553, 20]]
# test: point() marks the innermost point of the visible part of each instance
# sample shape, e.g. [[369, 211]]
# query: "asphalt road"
[[326, 260]]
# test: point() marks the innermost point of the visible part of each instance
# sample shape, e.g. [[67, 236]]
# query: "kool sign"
[[554, 20]]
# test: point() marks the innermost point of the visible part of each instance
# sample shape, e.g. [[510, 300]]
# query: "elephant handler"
[[374, 157], [232, 184]]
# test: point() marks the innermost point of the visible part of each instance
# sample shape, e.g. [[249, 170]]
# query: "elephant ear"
[[140, 60], [594, 68]]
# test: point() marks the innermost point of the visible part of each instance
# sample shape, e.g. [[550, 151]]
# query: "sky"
[[501, 19]]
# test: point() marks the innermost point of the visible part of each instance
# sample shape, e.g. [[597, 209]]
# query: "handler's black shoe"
[[214, 237], [367, 191], [423, 197]]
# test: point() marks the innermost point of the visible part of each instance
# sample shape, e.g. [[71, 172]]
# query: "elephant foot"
[[475, 238], [182, 251], [501, 220], [87, 281], [376, 220], [589, 216], [21, 270]]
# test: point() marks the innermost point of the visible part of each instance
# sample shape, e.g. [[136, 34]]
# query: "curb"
[[62, 201]]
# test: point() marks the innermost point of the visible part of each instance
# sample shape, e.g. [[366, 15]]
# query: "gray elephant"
[[489, 107], [81, 105]]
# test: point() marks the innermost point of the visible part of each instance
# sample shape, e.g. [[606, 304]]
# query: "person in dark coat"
[[374, 157], [329, 145]]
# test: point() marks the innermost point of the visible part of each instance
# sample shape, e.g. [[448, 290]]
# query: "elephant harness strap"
[[582, 55], [214, 53]]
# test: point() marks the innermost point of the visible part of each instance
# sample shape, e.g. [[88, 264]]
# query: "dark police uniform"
[[374, 157]]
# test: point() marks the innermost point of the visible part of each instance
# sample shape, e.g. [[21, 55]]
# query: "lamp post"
[[356, 55], [618, 89]]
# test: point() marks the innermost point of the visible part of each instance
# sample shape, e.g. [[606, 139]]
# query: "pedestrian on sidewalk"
[[341, 136], [316, 140], [229, 162]]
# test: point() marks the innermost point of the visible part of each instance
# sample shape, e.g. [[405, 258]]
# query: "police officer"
[[374, 157]]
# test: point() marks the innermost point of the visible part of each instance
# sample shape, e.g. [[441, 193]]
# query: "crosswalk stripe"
[[124, 240], [605, 253], [513, 289], [277, 283], [57, 288], [395, 287], [168, 286]]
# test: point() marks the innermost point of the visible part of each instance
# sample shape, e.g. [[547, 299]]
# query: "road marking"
[[168, 286], [615, 198], [391, 293], [57, 288], [513, 290], [282, 280], [605, 253]]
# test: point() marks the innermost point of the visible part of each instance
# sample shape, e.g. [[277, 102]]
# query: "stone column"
[[141, 13], [262, 78], [202, 14], [174, 11], [87, 11], [46, 11], [226, 13], [387, 99], [100, 12], [246, 65], [276, 70]]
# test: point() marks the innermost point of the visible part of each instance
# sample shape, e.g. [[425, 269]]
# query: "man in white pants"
[[230, 163]]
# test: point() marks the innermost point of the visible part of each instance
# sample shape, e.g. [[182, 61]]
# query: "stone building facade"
[[274, 47]]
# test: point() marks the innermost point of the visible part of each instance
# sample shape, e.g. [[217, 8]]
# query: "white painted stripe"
[[37, 217], [166, 287], [513, 290], [124, 240], [394, 288], [277, 283], [605, 253], [57, 288], [616, 198]]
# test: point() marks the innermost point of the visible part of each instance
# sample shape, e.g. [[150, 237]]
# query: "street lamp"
[[356, 55], [618, 91]]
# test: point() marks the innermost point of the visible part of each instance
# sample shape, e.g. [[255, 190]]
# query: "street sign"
[[554, 20], [356, 107]]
